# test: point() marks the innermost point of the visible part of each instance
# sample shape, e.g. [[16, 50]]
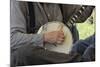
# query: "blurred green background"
[[88, 27], [85, 29]]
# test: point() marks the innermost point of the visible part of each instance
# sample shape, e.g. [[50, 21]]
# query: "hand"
[[54, 37]]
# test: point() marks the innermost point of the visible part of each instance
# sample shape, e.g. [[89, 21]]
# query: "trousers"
[[83, 50]]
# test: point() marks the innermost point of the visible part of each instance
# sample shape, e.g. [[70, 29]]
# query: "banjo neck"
[[75, 17]]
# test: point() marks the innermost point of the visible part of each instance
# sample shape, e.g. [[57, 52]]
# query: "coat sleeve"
[[18, 35]]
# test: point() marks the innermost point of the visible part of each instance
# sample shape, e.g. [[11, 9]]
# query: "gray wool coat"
[[19, 15]]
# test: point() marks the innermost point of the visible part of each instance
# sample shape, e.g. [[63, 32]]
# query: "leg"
[[25, 55], [89, 54], [81, 45], [29, 55]]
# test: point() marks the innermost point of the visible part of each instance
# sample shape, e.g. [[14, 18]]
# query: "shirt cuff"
[[39, 40]]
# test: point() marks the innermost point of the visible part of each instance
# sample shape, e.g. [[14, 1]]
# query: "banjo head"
[[64, 47]]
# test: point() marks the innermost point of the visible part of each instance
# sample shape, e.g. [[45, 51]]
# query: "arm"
[[18, 36]]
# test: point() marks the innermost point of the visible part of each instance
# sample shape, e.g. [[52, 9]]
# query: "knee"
[[79, 47]]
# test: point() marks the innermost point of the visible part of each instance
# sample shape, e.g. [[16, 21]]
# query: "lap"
[[29, 55]]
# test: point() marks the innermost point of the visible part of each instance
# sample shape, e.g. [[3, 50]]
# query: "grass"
[[85, 29]]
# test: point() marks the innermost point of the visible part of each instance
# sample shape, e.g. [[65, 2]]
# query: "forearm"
[[20, 39], [19, 36]]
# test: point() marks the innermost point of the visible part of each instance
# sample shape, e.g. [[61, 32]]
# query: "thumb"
[[61, 28]]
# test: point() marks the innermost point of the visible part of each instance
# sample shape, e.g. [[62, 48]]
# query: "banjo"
[[67, 44]]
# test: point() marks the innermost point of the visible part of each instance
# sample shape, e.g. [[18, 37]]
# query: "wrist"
[[45, 37]]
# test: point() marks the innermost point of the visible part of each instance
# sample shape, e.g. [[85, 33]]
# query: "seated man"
[[27, 46]]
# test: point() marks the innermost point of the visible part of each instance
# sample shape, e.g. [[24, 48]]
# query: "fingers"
[[61, 30], [61, 36], [60, 39], [59, 42], [54, 37]]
